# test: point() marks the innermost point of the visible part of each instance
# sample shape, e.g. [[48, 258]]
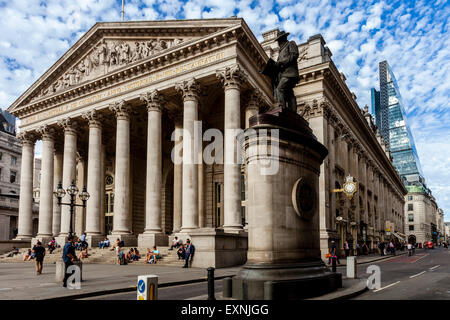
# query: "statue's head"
[[282, 37]]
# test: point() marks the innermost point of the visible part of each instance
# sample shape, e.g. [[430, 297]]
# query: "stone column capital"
[[69, 125], [154, 100], [190, 89], [94, 118], [255, 100], [27, 138], [121, 109], [47, 133], [231, 77]]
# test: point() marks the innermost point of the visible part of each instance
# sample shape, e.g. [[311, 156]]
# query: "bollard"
[[147, 287], [268, 290], [211, 284], [227, 287], [333, 263], [351, 267]]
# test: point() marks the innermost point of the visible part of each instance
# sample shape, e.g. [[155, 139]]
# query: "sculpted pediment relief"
[[107, 56]]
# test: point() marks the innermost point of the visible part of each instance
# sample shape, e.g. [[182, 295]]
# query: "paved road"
[[168, 293], [424, 276]]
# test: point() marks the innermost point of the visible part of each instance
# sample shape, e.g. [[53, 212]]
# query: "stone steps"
[[101, 256]]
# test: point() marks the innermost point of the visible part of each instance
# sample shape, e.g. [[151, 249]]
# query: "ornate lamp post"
[[72, 190]]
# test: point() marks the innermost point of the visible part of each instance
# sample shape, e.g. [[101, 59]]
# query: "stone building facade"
[[355, 147], [110, 113], [422, 215], [10, 164]]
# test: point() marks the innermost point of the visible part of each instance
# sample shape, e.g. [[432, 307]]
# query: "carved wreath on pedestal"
[[304, 198]]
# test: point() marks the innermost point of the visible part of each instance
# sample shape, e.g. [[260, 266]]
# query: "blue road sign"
[[141, 286]]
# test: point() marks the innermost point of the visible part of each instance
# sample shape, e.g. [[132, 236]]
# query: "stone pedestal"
[[284, 259], [351, 267], [152, 239], [94, 239], [43, 239], [129, 240], [218, 249], [61, 269]]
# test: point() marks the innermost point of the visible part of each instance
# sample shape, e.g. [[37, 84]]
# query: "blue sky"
[[413, 36]]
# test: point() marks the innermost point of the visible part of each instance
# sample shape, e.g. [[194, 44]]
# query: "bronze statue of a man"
[[284, 72]]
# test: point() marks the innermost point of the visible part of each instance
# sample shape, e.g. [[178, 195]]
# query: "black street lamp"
[[72, 190]]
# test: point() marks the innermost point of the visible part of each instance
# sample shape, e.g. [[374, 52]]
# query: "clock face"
[[349, 187], [109, 180]]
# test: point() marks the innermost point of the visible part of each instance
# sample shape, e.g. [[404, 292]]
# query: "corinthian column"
[[69, 170], [177, 174], [153, 234], [122, 213], [190, 91], [46, 187], [57, 177], [252, 107], [232, 78], [25, 230], [93, 207]]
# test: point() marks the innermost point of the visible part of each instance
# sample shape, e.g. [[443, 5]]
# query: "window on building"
[[410, 207], [219, 211], [13, 161], [410, 198], [411, 227], [111, 202], [411, 217], [1, 155], [12, 177], [243, 202]]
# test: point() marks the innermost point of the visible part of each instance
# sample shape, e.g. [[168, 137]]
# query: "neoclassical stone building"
[[355, 147], [108, 113], [111, 110]]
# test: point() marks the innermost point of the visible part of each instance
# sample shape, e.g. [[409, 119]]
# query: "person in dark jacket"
[[189, 253]]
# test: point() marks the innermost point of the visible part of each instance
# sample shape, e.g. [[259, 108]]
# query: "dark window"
[[410, 207], [411, 227], [12, 177], [13, 160], [410, 198], [410, 217]]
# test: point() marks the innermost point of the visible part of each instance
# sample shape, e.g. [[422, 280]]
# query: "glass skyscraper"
[[390, 117]]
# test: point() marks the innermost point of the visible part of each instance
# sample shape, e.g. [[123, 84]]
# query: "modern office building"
[[389, 112], [421, 209]]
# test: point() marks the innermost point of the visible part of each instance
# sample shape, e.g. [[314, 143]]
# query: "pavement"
[[106, 281], [362, 259], [18, 281]]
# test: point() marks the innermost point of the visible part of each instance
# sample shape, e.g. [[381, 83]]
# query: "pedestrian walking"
[[409, 249], [189, 253], [381, 247], [333, 253], [68, 257], [39, 254], [346, 249]]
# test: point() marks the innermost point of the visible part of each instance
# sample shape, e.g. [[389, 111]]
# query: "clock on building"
[[109, 180]]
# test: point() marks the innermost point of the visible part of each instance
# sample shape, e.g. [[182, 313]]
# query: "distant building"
[[10, 162], [421, 210]]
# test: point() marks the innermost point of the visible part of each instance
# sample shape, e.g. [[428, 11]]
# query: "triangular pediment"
[[107, 47]]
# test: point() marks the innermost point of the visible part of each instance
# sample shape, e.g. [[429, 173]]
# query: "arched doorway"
[[412, 239]]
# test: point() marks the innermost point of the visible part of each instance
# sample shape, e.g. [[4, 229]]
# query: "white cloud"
[[412, 36]]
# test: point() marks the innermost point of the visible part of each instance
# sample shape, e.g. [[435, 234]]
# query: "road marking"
[[416, 275], [435, 267], [392, 284], [4, 289], [420, 258]]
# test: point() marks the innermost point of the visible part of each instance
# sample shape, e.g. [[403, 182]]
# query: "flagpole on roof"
[[122, 8]]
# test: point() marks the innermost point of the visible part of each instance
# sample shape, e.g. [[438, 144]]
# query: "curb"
[[130, 289], [348, 293]]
